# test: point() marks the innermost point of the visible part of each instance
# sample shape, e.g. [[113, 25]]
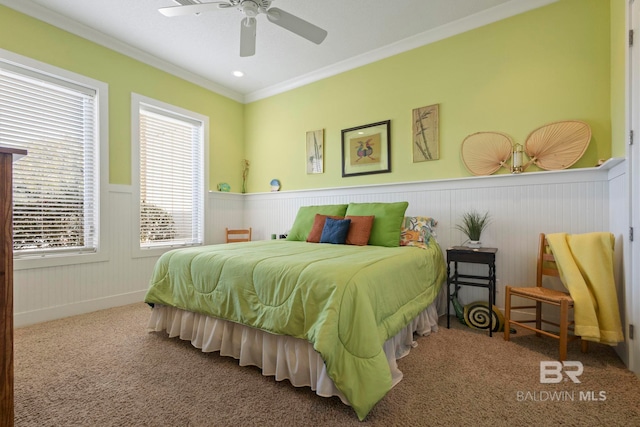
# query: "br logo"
[[551, 372]]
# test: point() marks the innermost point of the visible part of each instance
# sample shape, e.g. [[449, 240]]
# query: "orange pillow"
[[360, 230], [318, 225]]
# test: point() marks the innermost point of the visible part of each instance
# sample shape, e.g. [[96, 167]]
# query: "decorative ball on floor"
[[476, 315]]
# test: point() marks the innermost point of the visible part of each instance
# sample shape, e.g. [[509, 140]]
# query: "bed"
[[330, 316]]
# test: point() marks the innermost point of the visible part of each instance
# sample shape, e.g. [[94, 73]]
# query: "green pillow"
[[305, 217], [387, 223]]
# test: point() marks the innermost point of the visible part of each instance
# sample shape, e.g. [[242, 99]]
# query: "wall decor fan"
[[251, 9], [554, 146], [483, 153]]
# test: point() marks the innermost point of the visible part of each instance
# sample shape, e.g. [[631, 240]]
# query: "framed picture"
[[366, 149], [315, 154], [425, 134]]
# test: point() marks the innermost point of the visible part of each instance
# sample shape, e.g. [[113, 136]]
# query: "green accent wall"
[[559, 62], [512, 76], [35, 39], [619, 46]]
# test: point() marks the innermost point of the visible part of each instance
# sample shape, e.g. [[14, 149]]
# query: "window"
[[169, 163], [57, 185]]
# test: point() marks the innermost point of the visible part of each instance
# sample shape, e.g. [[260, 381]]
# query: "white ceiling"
[[205, 48]]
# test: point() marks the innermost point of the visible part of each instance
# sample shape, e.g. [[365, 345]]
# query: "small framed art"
[[425, 134], [315, 155], [366, 149]]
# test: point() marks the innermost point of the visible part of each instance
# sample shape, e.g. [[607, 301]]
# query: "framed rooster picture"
[[366, 149]]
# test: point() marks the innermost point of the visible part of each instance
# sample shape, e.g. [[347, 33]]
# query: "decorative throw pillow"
[[335, 231], [306, 216], [407, 236], [387, 222], [360, 230], [417, 230], [318, 225]]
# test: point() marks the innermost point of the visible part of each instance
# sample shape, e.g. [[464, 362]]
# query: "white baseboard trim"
[[38, 316]]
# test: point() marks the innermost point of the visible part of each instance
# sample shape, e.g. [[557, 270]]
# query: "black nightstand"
[[485, 256]]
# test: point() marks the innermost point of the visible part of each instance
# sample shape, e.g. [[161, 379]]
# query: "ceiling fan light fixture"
[[249, 8]]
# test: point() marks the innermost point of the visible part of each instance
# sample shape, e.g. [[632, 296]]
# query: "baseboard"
[[38, 316]]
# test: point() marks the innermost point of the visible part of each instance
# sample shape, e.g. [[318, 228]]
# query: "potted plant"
[[473, 223]]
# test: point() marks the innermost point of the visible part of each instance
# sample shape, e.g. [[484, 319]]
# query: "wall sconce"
[[516, 159]]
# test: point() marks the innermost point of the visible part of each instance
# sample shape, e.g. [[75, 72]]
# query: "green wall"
[[35, 39], [618, 78], [562, 61], [549, 64]]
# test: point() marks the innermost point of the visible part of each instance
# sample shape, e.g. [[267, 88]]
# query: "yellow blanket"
[[585, 262]]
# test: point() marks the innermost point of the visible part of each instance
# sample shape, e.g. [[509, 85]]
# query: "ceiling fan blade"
[[296, 25], [248, 37], [189, 9]]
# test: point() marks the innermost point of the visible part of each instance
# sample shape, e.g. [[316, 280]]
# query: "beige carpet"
[[105, 369]]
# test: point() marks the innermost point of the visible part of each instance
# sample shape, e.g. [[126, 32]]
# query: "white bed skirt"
[[277, 355]]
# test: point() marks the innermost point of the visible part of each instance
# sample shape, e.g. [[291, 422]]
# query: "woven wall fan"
[[553, 146], [483, 153], [557, 145]]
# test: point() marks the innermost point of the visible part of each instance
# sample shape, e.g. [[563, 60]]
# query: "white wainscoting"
[[521, 206], [48, 293], [42, 294], [619, 223]]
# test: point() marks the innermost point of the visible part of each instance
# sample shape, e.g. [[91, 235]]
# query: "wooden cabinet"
[[7, 156]]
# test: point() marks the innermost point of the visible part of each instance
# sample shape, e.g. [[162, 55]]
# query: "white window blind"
[[171, 178], [55, 186]]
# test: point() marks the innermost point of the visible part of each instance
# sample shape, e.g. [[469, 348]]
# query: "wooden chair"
[[238, 235], [541, 295]]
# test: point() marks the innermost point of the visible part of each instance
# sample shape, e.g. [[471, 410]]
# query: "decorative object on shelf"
[[224, 187], [366, 149], [516, 159], [275, 185], [473, 224], [557, 145], [315, 155], [554, 146], [245, 173], [483, 153], [425, 133]]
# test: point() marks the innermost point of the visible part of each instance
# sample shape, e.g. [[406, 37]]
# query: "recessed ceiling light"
[[238, 73]]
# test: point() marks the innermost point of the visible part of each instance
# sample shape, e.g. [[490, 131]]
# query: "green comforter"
[[345, 300]]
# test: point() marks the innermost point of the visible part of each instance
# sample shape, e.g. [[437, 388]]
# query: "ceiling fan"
[[251, 9]]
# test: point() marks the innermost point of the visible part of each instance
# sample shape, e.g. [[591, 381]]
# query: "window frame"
[[137, 101], [40, 260]]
